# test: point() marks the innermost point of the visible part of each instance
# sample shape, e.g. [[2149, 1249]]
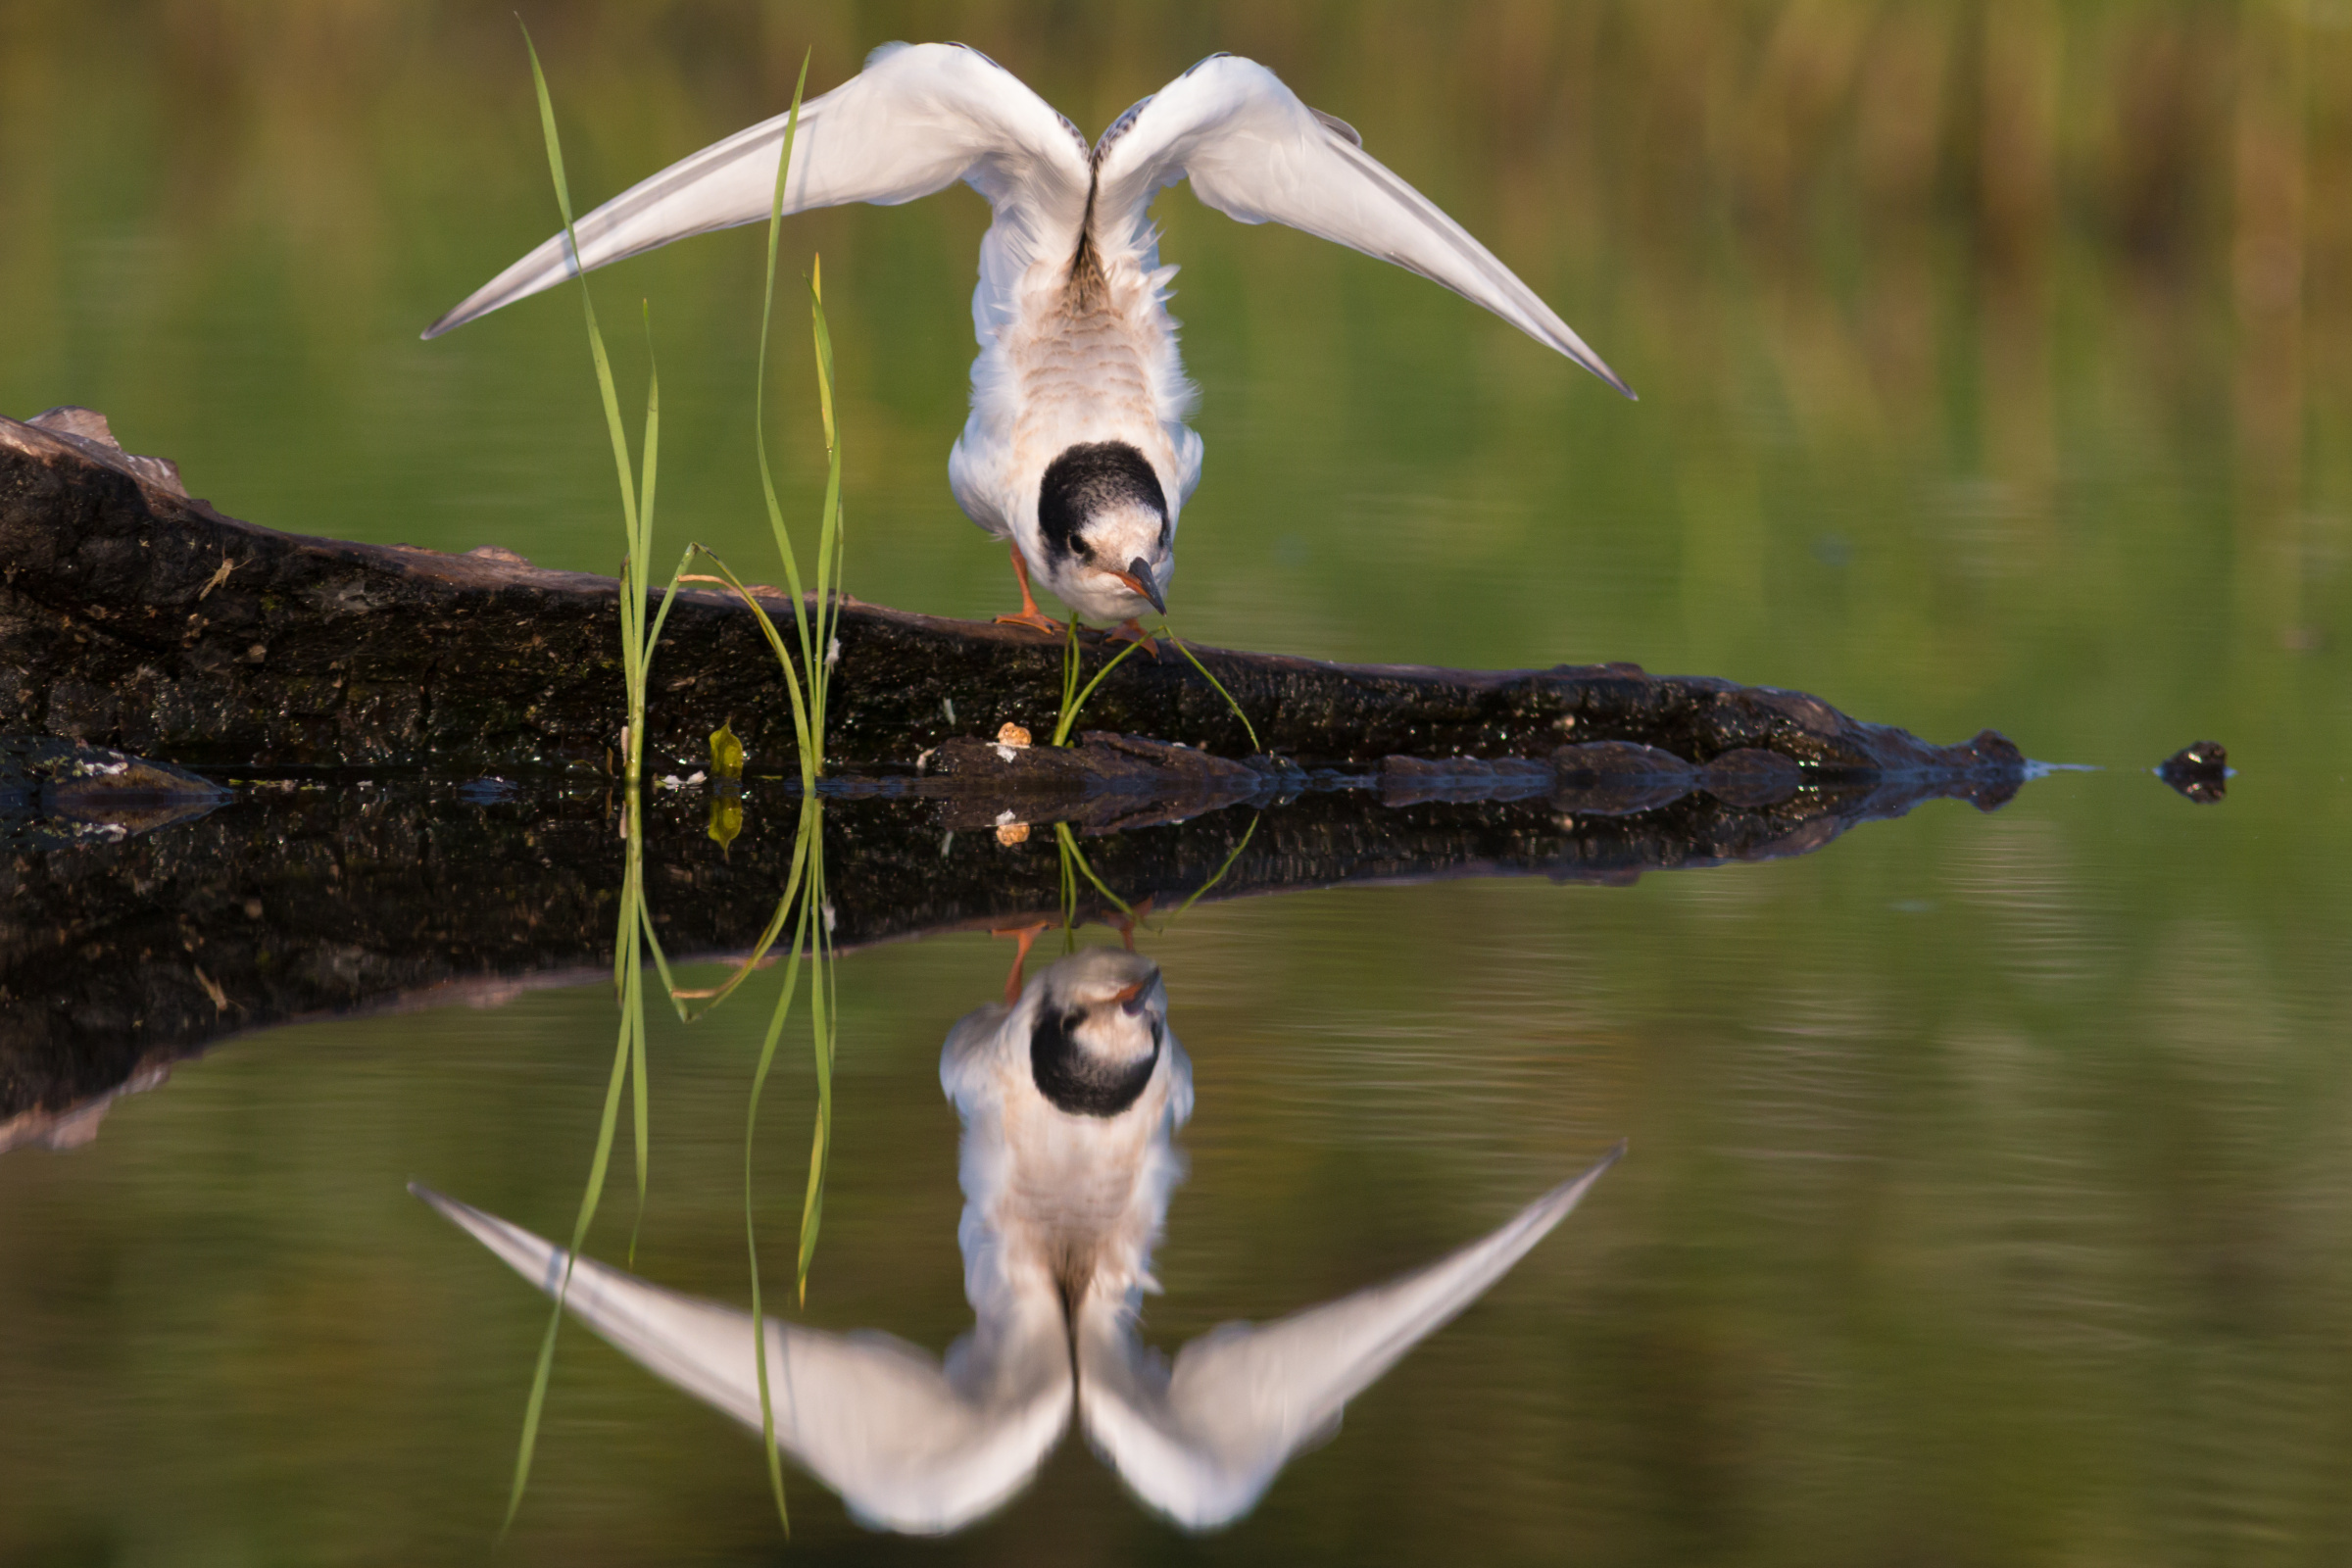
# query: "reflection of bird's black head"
[[1099, 1029], [1102, 504]]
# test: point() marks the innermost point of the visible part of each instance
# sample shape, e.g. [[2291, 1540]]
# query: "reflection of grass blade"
[[652, 945], [632, 1012], [1064, 849], [822, 996], [811, 809], [743, 970], [627, 1052], [1215, 880], [1070, 850], [1247, 728]]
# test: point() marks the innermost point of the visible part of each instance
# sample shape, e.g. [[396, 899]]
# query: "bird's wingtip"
[[440, 1202], [1576, 350]]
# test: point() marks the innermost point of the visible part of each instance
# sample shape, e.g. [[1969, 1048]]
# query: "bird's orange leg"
[[1133, 632], [1028, 614], [1024, 935], [1125, 925]]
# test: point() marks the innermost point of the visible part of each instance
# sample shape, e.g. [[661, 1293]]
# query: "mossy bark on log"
[[133, 616]]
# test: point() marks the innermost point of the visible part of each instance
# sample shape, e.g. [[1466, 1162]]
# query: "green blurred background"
[[1989, 1200]]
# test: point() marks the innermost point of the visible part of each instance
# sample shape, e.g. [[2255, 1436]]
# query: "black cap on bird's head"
[[1099, 1031], [1102, 516]]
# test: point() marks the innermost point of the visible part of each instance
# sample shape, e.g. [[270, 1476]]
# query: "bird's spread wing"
[[909, 1447], [1255, 152], [1202, 1443], [915, 120]]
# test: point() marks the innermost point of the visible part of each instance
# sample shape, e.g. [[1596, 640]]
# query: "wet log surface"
[[123, 950], [133, 616]]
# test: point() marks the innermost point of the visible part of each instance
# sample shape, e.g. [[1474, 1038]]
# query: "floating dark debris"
[[2200, 771], [62, 792]]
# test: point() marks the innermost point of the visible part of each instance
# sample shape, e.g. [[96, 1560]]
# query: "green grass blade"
[[669, 595], [641, 544], [633, 585], [824, 348], [828, 614], [792, 686], [767, 478], [1248, 728], [595, 339]]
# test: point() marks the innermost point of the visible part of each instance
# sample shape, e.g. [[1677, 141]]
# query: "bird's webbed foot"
[[1133, 632], [1034, 619]]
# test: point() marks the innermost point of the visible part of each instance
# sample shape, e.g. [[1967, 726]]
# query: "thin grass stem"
[[1248, 728], [767, 478], [801, 719], [633, 582], [828, 614], [1071, 709]]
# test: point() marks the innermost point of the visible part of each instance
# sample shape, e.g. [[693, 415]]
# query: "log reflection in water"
[[298, 900]]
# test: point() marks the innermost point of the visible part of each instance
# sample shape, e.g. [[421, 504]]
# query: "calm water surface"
[[1989, 1188]]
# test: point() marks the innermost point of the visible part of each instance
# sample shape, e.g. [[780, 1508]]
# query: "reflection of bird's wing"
[[907, 1447], [1201, 1444], [915, 120], [1255, 152]]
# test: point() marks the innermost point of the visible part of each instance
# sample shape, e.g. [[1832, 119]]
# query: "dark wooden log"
[[133, 616]]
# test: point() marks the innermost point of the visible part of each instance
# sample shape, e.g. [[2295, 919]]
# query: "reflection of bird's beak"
[[1138, 578]]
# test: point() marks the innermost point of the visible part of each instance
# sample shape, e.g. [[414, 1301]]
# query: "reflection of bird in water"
[[1076, 452], [1069, 1097]]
